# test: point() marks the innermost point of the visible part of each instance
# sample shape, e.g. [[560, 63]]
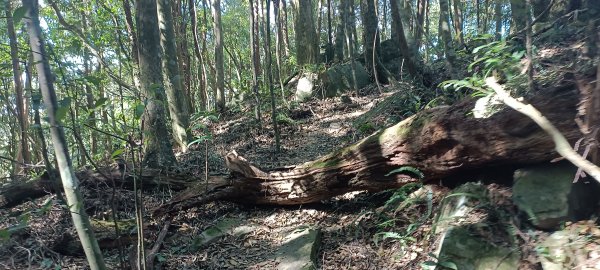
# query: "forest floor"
[[353, 226]]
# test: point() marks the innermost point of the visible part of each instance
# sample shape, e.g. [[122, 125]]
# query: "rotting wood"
[[439, 142]]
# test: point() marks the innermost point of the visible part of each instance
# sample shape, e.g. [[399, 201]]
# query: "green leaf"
[[61, 112], [405, 169], [429, 263], [116, 153], [19, 14], [4, 234], [139, 110], [450, 265], [93, 79], [100, 102]]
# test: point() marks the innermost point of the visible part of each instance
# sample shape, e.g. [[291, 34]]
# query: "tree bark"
[[518, 9], [219, 65], [158, 151], [22, 117], [446, 37], [199, 56], [270, 76], [402, 43], [307, 49], [439, 143], [177, 102], [69, 180]]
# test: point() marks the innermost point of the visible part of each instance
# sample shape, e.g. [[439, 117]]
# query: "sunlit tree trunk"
[[458, 21], [498, 19], [340, 36], [518, 10], [177, 101], [370, 37], [255, 55], [69, 180], [158, 150], [446, 37], [219, 65], [89, 94], [420, 23], [199, 56], [307, 49], [270, 79], [401, 40], [22, 116], [284, 27]]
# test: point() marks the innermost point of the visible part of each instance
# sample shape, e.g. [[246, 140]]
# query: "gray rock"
[[299, 250], [570, 249], [462, 227], [305, 86], [338, 79], [547, 195]]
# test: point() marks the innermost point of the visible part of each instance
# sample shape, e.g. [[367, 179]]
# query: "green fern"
[[407, 169]]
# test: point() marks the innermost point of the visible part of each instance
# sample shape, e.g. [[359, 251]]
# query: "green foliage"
[[19, 14], [366, 128], [498, 58], [284, 119], [407, 169], [437, 262]]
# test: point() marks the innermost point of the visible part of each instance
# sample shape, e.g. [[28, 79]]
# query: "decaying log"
[[439, 142], [18, 192]]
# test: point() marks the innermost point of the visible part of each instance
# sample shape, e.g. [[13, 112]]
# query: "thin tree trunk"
[[446, 37], [458, 22], [340, 36], [219, 57], [69, 180], [284, 28], [401, 40], [420, 23], [22, 116], [270, 78], [498, 19], [177, 101], [255, 55], [199, 56]]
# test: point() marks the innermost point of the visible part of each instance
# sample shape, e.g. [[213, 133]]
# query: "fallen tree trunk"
[[18, 191], [439, 142]]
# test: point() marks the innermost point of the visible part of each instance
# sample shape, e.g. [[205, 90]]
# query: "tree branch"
[[562, 146]]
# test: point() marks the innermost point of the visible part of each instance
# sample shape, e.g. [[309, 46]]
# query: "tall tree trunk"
[[22, 116], [158, 150], [270, 78], [284, 27], [177, 102], [307, 50], [255, 55], [518, 9], [219, 65], [371, 38], [340, 36], [89, 95], [69, 180], [446, 38], [458, 21], [498, 19], [401, 40], [420, 23], [133, 42], [329, 30], [199, 56]]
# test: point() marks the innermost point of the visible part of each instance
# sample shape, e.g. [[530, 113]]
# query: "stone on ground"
[[299, 250]]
